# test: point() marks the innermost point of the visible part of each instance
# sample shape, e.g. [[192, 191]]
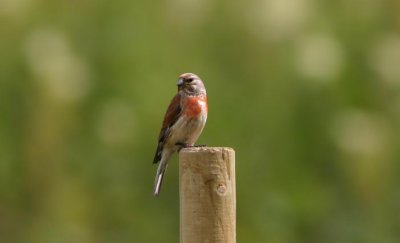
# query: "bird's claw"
[[182, 145], [185, 145]]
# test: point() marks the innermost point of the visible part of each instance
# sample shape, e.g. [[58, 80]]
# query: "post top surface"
[[206, 149]]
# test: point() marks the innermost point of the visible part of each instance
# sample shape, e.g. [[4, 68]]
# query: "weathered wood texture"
[[207, 194]]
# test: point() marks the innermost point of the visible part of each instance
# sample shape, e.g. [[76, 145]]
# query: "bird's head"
[[191, 84]]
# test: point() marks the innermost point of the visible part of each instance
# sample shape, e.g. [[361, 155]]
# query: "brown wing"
[[171, 116]]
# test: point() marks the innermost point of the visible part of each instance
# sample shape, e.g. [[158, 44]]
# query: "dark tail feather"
[[162, 167]]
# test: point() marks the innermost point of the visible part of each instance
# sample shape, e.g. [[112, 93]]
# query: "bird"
[[183, 123]]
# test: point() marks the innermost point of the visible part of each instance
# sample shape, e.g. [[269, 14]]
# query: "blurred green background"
[[307, 92]]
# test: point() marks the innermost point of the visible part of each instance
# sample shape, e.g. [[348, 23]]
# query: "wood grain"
[[207, 195]]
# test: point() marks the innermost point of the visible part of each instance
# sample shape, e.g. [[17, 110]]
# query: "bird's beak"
[[180, 82]]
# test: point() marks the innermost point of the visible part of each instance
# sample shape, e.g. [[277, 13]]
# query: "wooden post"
[[207, 195]]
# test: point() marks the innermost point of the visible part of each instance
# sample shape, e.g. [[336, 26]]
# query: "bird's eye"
[[189, 80]]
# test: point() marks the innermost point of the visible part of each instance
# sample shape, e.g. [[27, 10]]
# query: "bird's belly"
[[187, 130]]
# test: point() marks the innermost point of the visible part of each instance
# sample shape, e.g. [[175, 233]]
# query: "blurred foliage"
[[307, 92]]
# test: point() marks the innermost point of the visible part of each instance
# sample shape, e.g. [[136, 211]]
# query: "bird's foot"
[[199, 145], [185, 145], [182, 145]]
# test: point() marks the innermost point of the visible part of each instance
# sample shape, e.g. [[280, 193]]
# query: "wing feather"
[[171, 116]]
